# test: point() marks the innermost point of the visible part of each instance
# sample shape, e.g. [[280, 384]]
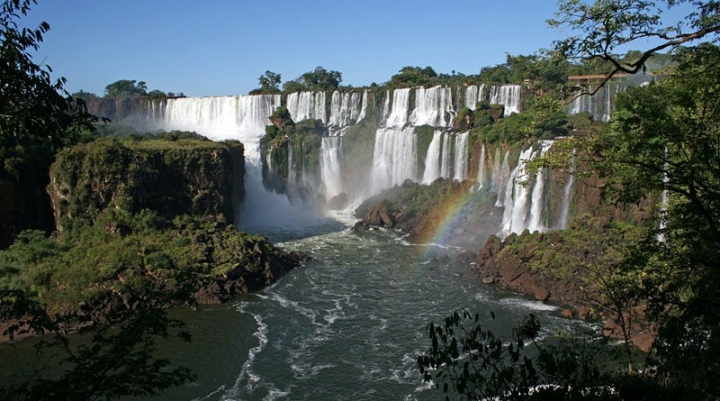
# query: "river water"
[[348, 325]]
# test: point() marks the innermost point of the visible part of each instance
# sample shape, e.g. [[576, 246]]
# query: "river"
[[348, 325]]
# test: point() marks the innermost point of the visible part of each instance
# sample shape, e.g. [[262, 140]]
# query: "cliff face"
[[184, 177], [116, 108], [142, 218]]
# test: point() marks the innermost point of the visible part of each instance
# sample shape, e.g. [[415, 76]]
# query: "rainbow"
[[447, 216]]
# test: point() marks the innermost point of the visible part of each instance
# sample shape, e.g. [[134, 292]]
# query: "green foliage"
[[547, 118], [513, 128], [126, 87], [269, 83], [37, 117], [169, 176], [424, 136], [123, 253], [665, 138], [600, 27], [468, 360], [413, 76], [318, 80], [101, 361]]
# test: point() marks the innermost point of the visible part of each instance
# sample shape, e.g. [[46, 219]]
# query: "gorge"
[[429, 188], [350, 323]]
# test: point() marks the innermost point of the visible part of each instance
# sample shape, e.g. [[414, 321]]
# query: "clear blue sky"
[[221, 47]]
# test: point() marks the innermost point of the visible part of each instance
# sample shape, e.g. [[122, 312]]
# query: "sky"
[[222, 47]]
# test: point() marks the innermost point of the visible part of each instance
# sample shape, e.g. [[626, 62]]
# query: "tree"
[[37, 117], [318, 80], [117, 361], [466, 359], [126, 87], [666, 139], [269, 83], [603, 26], [662, 148], [414, 76]]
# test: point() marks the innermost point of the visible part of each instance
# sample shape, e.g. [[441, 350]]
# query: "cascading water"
[[445, 158], [481, 169], [331, 154], [433, 107], [507, 95], [241, 118], [517, 194], [307, 106], [501, 171], [525, 204], [366, 297], [473, 95], [460, 166], [394, 158], [398, 113], [346, 109], [432, 159], [537, 205]]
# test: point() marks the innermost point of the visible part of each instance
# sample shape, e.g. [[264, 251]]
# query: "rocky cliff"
[[139, 219], [444, 211], [198, 178]]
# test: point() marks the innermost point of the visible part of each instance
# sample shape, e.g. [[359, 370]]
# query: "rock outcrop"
[[445, 210], [199, 178]]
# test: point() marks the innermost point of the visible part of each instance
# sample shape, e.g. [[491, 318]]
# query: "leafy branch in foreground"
[[472, 363], [102, 360], [603, 26]]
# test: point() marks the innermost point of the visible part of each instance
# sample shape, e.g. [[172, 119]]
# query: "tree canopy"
[[269, 83], [37, 117], [603, 26], [318, 80], [126, 87]]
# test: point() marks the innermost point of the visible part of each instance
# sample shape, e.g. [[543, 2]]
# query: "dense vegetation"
[[303, 140], [135, 259], [662, 140]]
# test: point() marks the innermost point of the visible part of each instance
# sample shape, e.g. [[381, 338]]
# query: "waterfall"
[[363, 106], [537, 205], [331, 150], [501, 171], [433, 107], [567, 196], [481, 168], [307, 106], [432, 159], [525, 197], [394, 158], [516, 197], [460, 165], [241, 118], [292, 173], [398, 113], [664, 200], [507, 95], [346, 109], [445, 157], [473, 95]]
